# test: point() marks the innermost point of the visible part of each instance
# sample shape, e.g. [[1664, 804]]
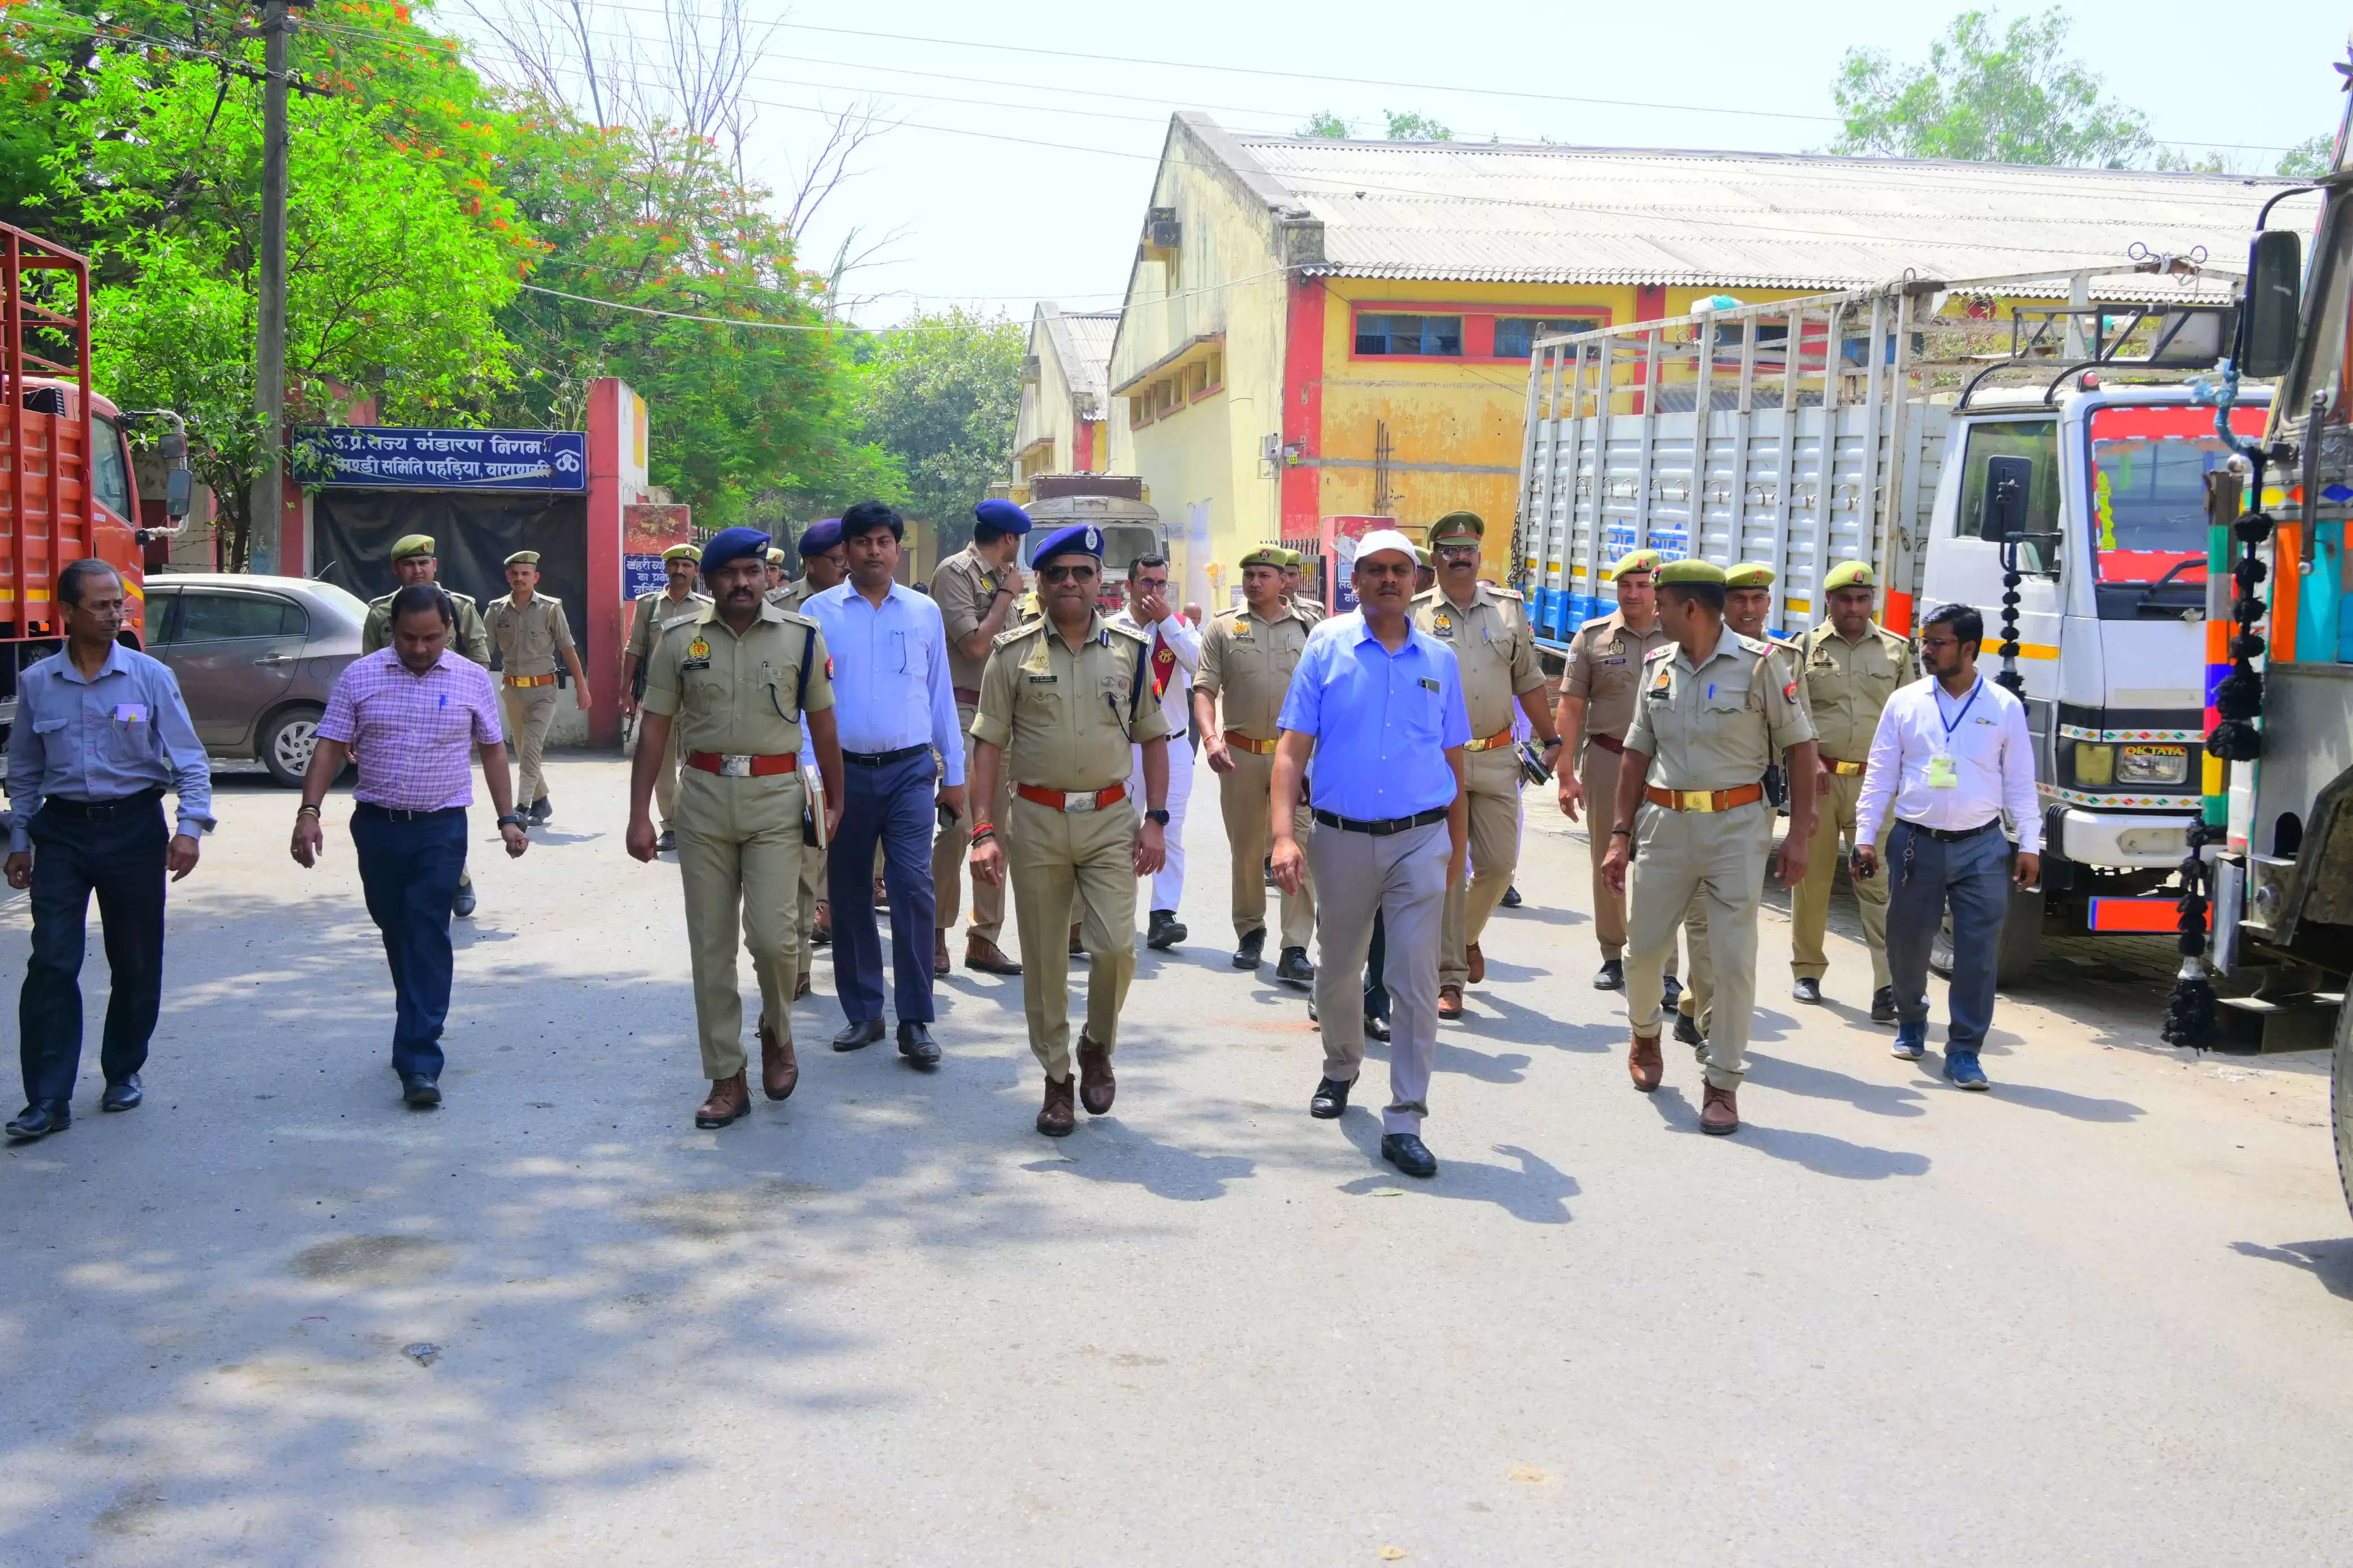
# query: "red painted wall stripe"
[[1303, 405]]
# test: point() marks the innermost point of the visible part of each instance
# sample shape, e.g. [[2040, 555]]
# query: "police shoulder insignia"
[[1789, 692], [698, 647], [828, 667]]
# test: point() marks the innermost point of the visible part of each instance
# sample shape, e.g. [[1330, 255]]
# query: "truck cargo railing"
[[45, 437]]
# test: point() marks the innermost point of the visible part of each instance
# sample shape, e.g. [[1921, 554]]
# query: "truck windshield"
[[109, 470], [2148, 495]]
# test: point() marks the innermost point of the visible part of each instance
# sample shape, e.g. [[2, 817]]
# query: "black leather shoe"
[[1376, 1029], [1330, 1099], [39, 1121], [1882, 1005], [1612, 975], [1252, 950], [542, 809], [916, 1045], [420, 1091], [667, 843], [1512, 899], [1671, 991], [123, 1096], [463, 904], [1405, 1151], [1165, 932], [1687, 1030], [1292, 968], [1809, 990], [857, 1035]]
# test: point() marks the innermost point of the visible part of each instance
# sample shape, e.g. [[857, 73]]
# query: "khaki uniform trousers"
[[1717, 857], [1493, 781], [739, 856], [1596, 772], [1245, 798], [1835, 800], [812, 889], [665, 780], [529, 714], [1698, 1004], [1058, 860], [948, 859]]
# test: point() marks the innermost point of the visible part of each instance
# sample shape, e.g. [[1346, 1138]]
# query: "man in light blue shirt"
[[1376, 706], [895, 702], [101, 734]]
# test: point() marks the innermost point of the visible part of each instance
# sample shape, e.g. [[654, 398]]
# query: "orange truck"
[[67, 486]]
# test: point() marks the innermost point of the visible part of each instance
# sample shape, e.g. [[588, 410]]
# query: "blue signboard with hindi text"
[[373, 456]]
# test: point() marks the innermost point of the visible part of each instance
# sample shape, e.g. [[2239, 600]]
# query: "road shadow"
[[1527, 1026], [2330, 1262], [1105, 1148], [1531, 1189], [1816, 1151], [1823, 1083]]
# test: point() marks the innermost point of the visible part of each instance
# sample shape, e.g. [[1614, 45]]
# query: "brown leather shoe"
[[1056, 1119], [1096, 1085], [1718, 1111], [1478, 964], [1643, 1063], [1450, 1002], [822, 925], [731, 1099], [780, 1070], [939, 953], [981, 954]]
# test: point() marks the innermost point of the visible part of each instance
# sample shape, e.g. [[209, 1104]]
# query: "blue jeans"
[[410, 867], [895, 805], [117, 854], [1925, 875]]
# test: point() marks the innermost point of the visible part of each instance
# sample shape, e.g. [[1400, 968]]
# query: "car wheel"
[[286, 742]]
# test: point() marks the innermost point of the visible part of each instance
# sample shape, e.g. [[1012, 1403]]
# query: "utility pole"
[[269, 357]]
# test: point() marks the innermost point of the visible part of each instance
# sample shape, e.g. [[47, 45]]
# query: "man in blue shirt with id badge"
[[101, 734], [1376, 706]]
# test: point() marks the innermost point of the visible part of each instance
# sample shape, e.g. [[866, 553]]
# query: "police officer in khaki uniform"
[[1246, 657], [413, 561], [1065, 707], [776, 565], [1747, 602], [1853, 666], [975, 589], [1597, 704], [1495, 649], [652, 616], [1295, 578], [531, 634], [739, 683], [1690, 814]]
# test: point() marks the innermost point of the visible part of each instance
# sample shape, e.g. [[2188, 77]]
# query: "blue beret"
[[820, 537], [1078, 539], [1002, 516], [734, 545]]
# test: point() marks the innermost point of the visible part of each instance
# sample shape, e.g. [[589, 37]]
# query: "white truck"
[[1964, 440]]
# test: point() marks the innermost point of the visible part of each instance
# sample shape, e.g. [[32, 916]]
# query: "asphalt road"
[[2100, 1315]]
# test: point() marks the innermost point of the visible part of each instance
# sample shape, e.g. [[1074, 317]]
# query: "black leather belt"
[[1384, 828], [883, 759], [1949, 835], [100, 809], [397, 813]]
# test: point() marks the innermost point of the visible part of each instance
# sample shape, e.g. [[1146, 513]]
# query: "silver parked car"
[[256, 658]]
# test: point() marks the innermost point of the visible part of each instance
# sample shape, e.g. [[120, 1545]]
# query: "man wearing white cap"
[[1376, 706]]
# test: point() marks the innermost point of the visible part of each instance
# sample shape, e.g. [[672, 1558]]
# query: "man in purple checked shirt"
[[409, 714]]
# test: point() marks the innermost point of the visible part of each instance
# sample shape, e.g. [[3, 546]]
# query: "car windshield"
[[2148, 489]]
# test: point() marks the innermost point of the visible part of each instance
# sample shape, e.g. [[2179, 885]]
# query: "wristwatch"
[[1159, 817], [515, 817]]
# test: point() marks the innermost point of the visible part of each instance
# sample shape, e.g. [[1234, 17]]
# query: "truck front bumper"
[[2135, 840]]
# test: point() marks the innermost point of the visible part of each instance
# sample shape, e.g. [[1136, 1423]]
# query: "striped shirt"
[[412, 735]]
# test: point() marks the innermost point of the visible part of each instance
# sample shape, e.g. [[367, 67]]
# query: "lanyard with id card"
[[1943, 772]]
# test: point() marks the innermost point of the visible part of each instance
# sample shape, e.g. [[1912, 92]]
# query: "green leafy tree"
[[939, 396], [1326, 124], [2309, 159], [1413, 127], [2010, 98]]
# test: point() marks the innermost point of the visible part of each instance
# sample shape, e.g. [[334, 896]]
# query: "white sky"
[[986, 215]]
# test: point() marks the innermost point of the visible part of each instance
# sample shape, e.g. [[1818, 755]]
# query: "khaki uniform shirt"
[[739, 695], [652, 616], [529, 637], [795, 595], [1068, 720], [1848, 685], [1494, 648], [1605, 667], [1310, 610], [1247, 662], [1717, 726], [467, 635], [964, 588]]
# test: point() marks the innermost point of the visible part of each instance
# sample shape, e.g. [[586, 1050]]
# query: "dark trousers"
[[117, 852], [1925, 875], [1376, 991], [893, 804], [409, 866]]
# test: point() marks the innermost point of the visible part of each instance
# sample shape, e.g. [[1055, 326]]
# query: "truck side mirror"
[[179, 493], [2009, 481], [2275, 291]]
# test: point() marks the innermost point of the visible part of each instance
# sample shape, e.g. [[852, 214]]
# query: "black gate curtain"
[[352, 533]]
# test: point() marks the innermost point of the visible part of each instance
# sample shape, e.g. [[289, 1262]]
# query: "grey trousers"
[[1924, 874], [1401, 878]]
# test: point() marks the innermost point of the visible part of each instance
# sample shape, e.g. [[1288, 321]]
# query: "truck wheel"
[[2340, 1099], [286, 742]]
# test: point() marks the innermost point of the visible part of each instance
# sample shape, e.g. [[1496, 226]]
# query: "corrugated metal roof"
[[1091, 340], [1585, 214]]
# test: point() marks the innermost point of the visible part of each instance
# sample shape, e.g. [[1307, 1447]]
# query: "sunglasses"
[[1067, 573]]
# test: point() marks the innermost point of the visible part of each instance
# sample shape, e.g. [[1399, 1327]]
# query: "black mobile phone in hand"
[[948, 818], [1859, 866]]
